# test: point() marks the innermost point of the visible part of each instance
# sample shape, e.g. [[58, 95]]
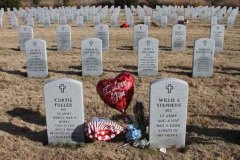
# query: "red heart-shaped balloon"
[[117, 92]]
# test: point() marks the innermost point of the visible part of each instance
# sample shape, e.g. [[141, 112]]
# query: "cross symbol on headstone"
[[148, 42], [34, 44], [91, 43], [62, 87], [169, 87], [204, 42]]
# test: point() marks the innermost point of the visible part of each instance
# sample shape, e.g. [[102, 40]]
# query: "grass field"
[[213, 123]]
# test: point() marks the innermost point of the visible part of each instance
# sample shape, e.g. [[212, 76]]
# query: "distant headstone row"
[[146, 47], [161, 16]]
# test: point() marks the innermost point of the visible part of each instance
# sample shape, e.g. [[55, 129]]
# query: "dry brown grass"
[[213, 112], [233, 3]]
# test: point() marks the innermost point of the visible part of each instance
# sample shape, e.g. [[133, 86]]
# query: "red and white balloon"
[[102, 129]]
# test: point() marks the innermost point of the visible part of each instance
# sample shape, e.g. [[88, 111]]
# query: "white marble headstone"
[[97, 20], [102, 32], [64, 38], [174, 18], [36, 58], [214, 20], [179, 37], [30, 21], [114, 21], [14, 21], [168, 113], [80, 22], [62, 19], [217, 34], [64, 111], [148, 57], [91, 51], [46, 21], [230, 22], [139, 31], [25, 34], [164, 21], [147, 20], [203, 57], [1, 21]]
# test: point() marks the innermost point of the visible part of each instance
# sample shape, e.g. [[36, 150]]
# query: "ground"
[[213, 123]]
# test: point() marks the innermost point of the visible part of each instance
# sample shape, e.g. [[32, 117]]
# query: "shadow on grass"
[[79, 67], [227, 135], [132, 67], [228, 70], [165, 48], [24, 132], [227, 119], [119, 71], [130, 48], [52, 49], [66, 72], [28, 115], [182, 70], [14, 72], [191, 47], [15, 49]]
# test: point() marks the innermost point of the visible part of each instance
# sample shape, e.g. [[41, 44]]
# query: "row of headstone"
[[161, 16], [13, 19], [36, 57], [204, 50], [64, 36], [62, 15], [178, 36], [129, 16], [147, 47], [115, 16], [168, 112]]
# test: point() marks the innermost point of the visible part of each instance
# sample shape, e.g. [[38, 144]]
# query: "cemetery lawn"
[[213, 123]]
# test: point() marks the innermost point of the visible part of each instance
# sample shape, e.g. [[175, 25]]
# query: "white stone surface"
[[91, 51], [179, 37], [148, 57], [25, 34], [168, 113], [36, 58], [203, 57], [64, 42], [102, 32], [140, 31], [64, 111], [217, 34]]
